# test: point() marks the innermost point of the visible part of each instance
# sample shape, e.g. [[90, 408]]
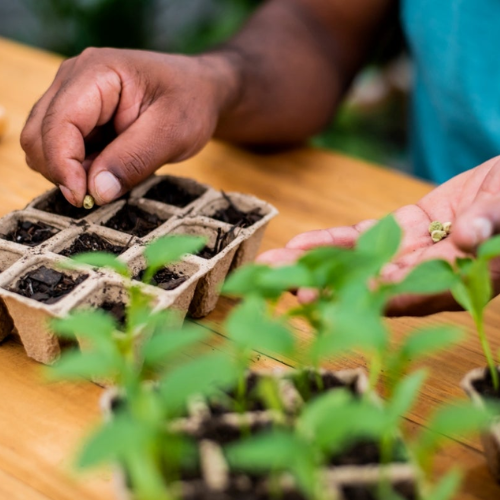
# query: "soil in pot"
[[57, 204], [224, 433], [367, 453], [485, 385], [222, 241], [30, 233], [231, 214], [174, 194], [116, 309], [311, 385], [165, 278], [227, 403], [89, 242], [47, 285], [133, 220], [363, 492]]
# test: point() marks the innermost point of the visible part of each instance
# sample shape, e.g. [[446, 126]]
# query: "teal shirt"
[[455, 45]]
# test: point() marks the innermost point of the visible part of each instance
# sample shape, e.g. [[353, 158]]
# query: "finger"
[[344, 236], [74, 112], [481, 219], [150, 142], [280, 256]]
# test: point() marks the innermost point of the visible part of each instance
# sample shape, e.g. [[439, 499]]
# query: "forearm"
[[291, 65]]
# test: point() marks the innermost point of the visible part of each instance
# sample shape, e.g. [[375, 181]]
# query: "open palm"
[[471, 201]]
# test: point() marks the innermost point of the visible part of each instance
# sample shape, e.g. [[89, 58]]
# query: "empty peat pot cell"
[[117, 309], [90, 242], [224, 433], [222, 240], [174, 193], [30, 233], [57, 204], [231, 214], [133, 220], [46, 285], [484, 386], [166, 279]]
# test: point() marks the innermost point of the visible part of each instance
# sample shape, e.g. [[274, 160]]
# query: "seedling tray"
[[491, 437], [213, 430], [191, 210]]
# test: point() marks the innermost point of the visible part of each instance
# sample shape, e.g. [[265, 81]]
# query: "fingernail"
[[482, 229], [107, 187], [67, 193]]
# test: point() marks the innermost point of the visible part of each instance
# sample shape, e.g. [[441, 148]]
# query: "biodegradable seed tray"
[[47, 229], [212, 430]]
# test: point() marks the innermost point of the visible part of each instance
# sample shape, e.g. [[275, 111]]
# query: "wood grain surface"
[[41, 424]]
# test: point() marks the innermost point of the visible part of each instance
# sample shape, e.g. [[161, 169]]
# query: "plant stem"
[[374, 371], [487, 352]]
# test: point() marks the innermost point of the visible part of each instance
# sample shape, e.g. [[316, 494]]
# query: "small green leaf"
[[432, 276], [205, 375], [405, 395], [250, 327], [101, 259], [90, 323], [169, 249], [112, 441], [382, 240], [243, 281], [426, 341], [163, 346], [75, 365], [447, 487], [489, 249]]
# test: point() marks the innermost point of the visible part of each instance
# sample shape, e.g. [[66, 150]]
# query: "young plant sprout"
[[474, 290]]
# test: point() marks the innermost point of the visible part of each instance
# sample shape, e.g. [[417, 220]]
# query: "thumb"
[[133, 156]]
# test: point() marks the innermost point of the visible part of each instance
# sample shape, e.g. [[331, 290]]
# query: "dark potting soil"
[[116, 309], [172, 193], [485, 385], [231, 214], [224, 433], [367, 453], [57, 204], [47, 285], [165, 279], [314, 386], [89, 242], [133, 220], [30, 233], [357, 492], [222, 241], [228, 402]]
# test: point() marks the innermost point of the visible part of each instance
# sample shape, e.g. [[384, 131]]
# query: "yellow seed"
[[438, 235], [88, 202], [447, 227], [435, 226]]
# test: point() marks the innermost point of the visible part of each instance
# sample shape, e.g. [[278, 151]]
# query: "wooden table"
[[41, 424]]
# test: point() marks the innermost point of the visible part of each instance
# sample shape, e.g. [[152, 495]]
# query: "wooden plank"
[[41, 424]]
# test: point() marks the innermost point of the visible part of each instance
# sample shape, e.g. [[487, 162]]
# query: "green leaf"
[[382, 240], [114, 440], [426, 341], [250, 327], [101, 259], [205, 375], [169, 249], [93, 324], [405, 395], [432, 276], [163, 346], [266, 281], [75, 365], [447, 487], [489, 249]]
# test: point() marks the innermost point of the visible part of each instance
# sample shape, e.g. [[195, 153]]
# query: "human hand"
[[471, 201], [112, 117]]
